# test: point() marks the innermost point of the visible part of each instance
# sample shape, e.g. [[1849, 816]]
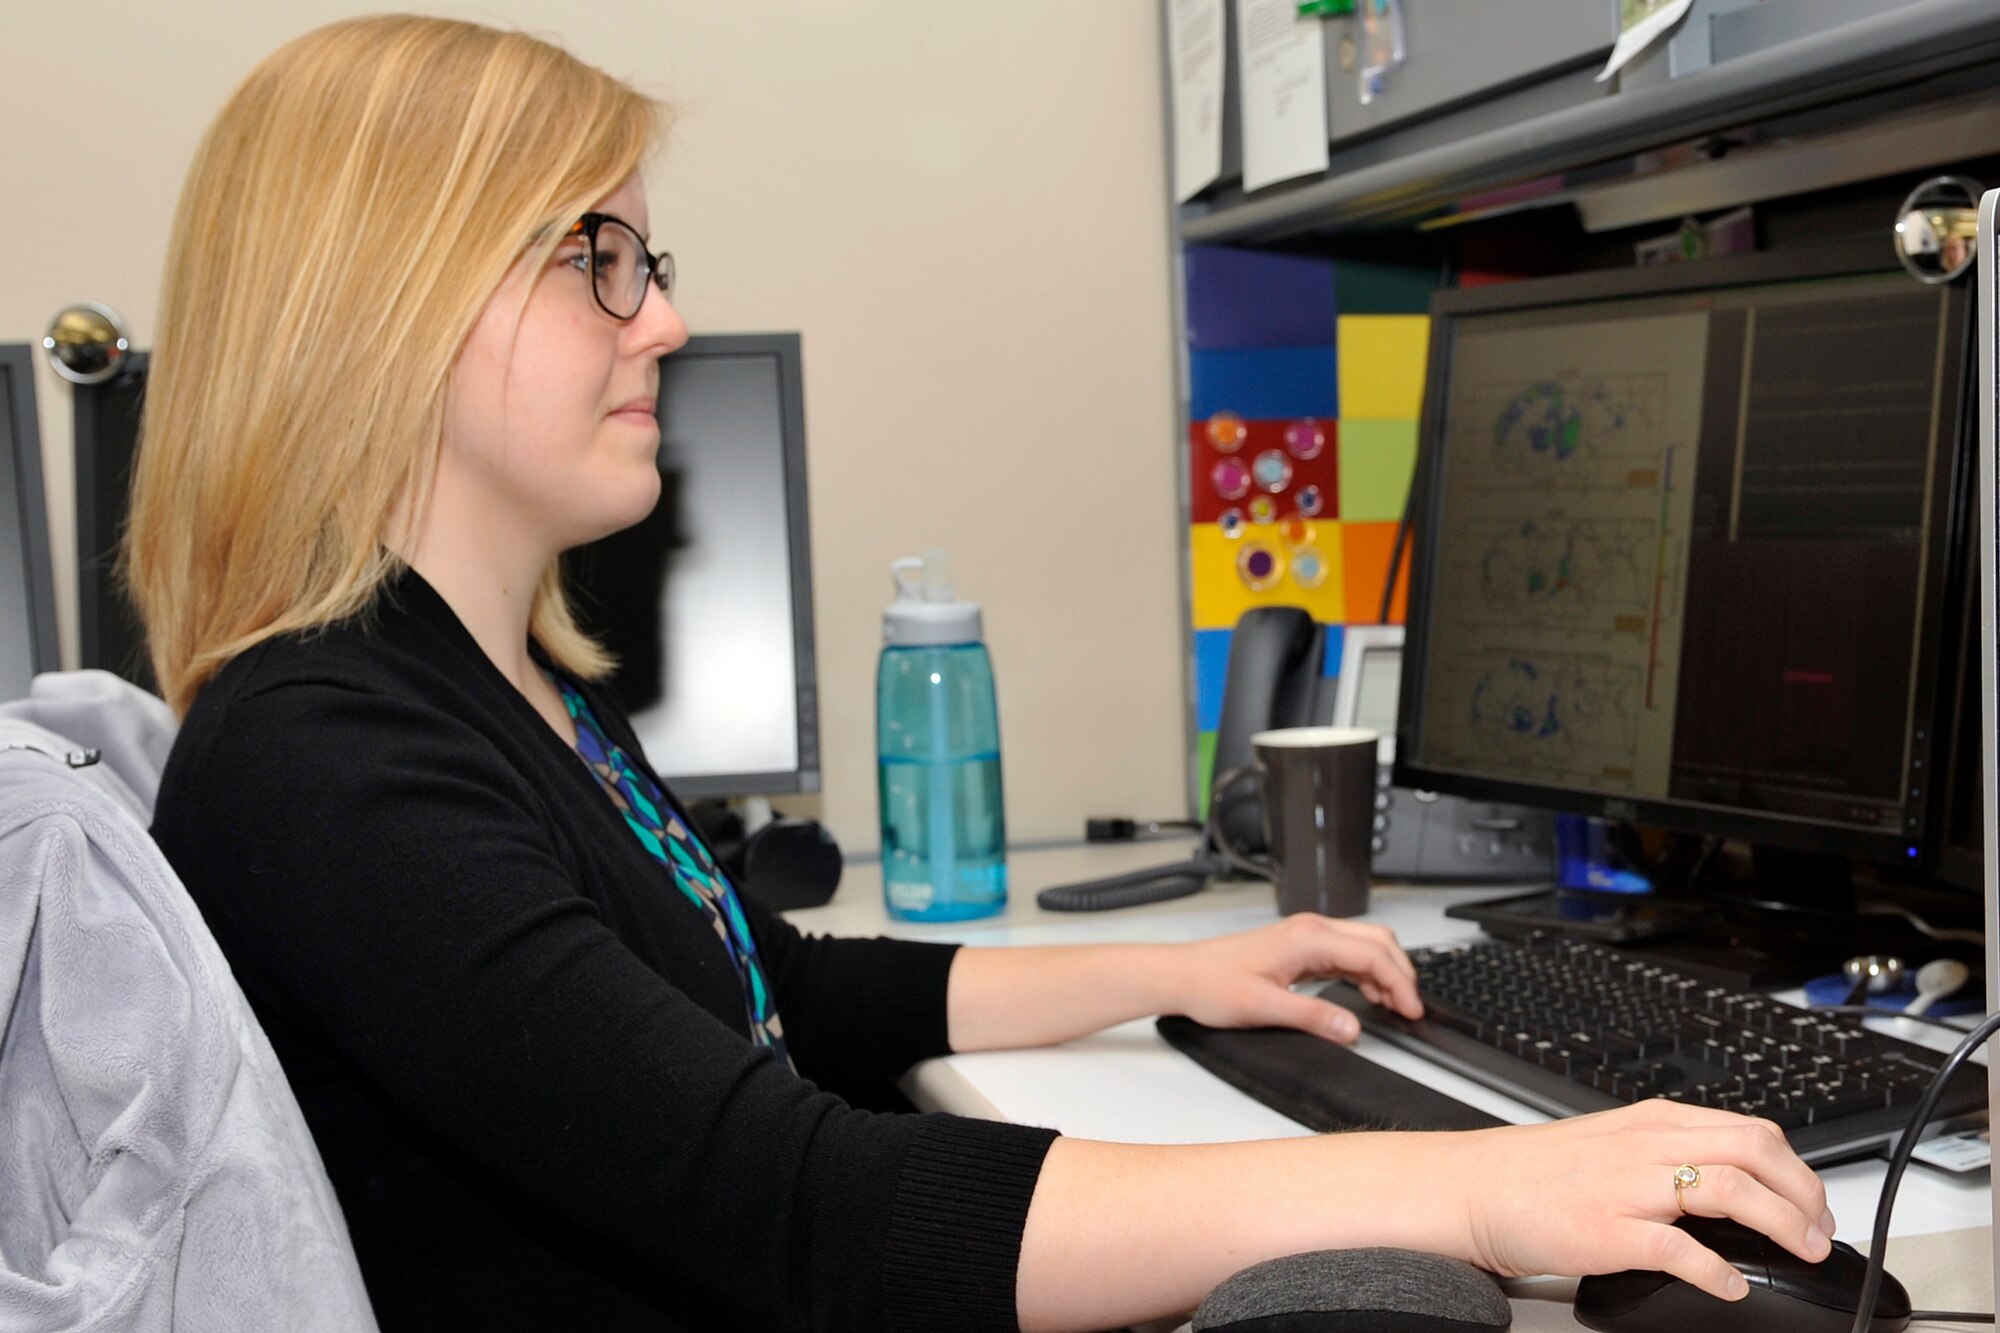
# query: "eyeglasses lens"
[[619, 269]]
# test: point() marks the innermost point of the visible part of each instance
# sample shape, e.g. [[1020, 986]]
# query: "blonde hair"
[[347, 217]]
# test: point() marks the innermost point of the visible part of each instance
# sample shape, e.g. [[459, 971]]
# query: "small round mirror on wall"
[[87, 343], [1936, 226]]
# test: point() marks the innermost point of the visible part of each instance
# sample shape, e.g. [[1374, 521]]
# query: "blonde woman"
[[560, 1074]]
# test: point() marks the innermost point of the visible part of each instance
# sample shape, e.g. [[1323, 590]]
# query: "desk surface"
[[1126, 1084]]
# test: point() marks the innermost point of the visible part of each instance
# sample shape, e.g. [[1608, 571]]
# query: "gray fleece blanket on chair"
[[155, 1171]]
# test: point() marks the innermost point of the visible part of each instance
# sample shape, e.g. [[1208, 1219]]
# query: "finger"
[[1732, 1192], [1309, 1013], [1668, 1249], [1377, 962], [1360, 952], [1387, 938], [1759, 1147]]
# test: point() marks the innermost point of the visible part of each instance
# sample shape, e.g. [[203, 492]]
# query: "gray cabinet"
[[1461, 50], [1497, 102]]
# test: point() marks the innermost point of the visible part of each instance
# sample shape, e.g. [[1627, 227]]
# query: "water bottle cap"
[[926, 613]]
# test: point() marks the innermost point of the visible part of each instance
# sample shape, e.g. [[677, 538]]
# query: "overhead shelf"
[[1925, 62]]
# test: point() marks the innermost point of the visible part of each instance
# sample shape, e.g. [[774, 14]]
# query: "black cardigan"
[[524, 1056]]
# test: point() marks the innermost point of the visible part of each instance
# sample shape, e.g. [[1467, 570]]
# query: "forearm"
[[1119, 1233], [1003, 998]]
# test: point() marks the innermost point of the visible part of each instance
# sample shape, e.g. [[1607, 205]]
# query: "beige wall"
[[959, 204]]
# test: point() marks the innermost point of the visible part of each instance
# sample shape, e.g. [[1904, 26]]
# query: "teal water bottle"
[[937, 745]]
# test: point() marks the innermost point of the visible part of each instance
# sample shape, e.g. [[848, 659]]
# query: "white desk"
[[1126, 1084]]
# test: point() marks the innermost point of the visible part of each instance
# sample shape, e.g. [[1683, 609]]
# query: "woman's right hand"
[[1595, 1193]]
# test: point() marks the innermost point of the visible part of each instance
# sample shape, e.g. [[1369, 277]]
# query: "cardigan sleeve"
[[856, 1011], [379, 869]]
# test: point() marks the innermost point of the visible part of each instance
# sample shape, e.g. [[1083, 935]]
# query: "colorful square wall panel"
[[1377, 460], [1274, 564], [1211, 667], [1365, 549], [1259, 298], [1271, 383], [1261, 471], [1363, 287], [1382, 366], [1334, 646]]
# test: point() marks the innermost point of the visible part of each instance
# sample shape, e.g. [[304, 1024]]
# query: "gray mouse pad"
[[1323, 1086]]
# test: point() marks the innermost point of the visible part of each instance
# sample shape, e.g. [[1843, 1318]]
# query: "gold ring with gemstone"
[[1685, 1178]]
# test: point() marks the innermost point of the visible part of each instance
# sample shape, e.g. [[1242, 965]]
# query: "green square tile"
[[1204, 768], [1377, 459], [1372, 287]]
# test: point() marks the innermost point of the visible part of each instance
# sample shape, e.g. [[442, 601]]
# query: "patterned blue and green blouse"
[[673, 845]]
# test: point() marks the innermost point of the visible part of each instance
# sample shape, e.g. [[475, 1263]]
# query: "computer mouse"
[[1787, 1294]]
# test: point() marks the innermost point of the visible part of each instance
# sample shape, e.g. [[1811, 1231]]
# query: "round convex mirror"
[[1936, 226], [87, 343]]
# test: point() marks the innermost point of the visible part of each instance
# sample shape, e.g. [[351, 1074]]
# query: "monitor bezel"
[[38, 558], [786, 348], [109, 635], [1915, 844]]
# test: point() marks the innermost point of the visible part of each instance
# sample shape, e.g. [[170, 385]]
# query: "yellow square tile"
[[1382, 366], [1222, 594]]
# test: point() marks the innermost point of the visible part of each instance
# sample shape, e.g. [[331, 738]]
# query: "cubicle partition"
[[1306, 378]]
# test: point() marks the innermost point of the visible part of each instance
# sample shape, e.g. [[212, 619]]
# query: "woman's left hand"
[[1244, 980]]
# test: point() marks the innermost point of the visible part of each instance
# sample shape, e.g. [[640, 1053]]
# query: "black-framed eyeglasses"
[[621, 266]]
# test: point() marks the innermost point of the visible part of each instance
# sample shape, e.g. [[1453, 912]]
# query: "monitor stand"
[[1783, 917]]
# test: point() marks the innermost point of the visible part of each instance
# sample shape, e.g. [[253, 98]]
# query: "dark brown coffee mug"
[[1318, 800]]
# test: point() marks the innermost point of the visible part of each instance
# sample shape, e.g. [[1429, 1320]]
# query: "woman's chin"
[[644, 497]]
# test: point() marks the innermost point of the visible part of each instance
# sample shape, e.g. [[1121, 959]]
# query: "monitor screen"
[[708, 603], [27, 593], [1682, 550]]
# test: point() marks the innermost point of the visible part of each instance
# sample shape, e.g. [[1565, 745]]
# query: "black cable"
[[1948, 1317], [1869, 1011], [1156, 884], [1396, 556], [1899, 1161], [1119, 828]]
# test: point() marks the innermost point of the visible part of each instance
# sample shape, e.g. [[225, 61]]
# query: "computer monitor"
[[708, 603], [1684, 548], [27, 583], [106, 421]]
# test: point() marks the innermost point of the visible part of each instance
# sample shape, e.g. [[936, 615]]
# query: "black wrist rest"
[[1323, 1086]]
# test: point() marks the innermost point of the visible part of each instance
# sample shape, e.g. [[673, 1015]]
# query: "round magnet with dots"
[[1297, 533], [1226, 432], [1308, 569], [1231, 522], [1305, 438], [1311, 501], [1230, 478], [1263, 509], [1259, 566], [1273, 470]]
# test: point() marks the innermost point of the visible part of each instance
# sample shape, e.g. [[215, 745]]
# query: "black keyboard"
[[1569, 1027]]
